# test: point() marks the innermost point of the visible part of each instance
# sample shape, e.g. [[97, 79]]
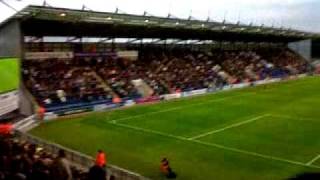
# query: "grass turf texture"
[[8, 74], [266, 132]]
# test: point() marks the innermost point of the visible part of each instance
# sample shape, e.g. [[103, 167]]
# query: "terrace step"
[[103, 83]]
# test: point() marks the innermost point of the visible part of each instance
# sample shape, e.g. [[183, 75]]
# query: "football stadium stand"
[[62, 75], [74, 82]]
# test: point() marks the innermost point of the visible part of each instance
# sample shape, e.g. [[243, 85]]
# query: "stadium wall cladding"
[[10, 40]]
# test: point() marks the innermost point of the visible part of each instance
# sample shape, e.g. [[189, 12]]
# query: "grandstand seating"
[[58, 82], [83, 81], [118, 74], [182, 70]]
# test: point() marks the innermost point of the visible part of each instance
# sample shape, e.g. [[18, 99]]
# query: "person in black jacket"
[[97, 172]]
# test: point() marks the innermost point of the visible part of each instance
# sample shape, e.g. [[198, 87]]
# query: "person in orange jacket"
[[101, 159], [41, 112]]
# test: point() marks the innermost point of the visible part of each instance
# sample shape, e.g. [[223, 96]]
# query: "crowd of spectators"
[[20, 160], [62, 82], [290, 62], [164, 71], [118, 74], [183, 70], [23, 161]]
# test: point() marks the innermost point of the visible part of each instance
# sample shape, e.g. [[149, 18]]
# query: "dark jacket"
[[97, 173]]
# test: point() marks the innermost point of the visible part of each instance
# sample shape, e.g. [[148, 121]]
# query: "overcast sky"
[[297, 14]]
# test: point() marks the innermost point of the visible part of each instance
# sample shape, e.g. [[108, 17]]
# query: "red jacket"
[[101, 159]]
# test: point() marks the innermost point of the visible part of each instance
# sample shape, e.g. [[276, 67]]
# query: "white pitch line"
[[229, 127], [146, 114], [292, 117], [177, 108], [313, 160], [240, 151], [257, 154], [148, 131]]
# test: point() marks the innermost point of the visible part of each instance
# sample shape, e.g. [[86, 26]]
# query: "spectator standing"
[[97, 173], [61, 167], [101, 159]]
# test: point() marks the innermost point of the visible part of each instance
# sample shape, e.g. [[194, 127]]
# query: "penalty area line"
[[147, 130], [218, 146], [229, 127], [313, 160]]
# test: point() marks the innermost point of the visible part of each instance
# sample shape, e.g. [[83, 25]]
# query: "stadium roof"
[[49, 21]]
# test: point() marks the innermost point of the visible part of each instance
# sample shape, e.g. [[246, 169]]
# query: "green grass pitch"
[[265, 132], [8, 74]]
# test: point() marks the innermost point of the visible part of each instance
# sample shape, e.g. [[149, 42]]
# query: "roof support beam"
[[34, 39], [157, 41], [73, 39], [177, 41], [104, 40], [133, 40]]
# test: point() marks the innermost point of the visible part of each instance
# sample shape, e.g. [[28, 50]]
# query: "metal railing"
[[8, 102], [78, 159]]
